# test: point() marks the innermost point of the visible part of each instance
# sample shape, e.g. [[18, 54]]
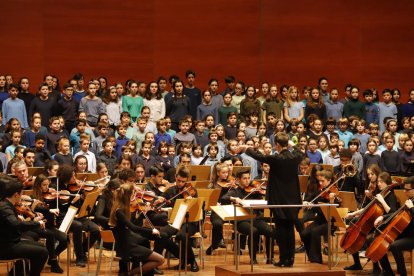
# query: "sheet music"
[[67, 221], [253, 202], [230, 210], [179, 218]]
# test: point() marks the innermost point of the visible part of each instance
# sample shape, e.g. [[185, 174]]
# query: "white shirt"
[[90, 157]]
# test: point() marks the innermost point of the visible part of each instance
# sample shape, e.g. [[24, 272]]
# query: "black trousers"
[[217, 231], [260, 227], [285, 238], [35, 252], [158, 219], [311, 237], [51, 235], [79, 225], [191, 229], [404, 242]]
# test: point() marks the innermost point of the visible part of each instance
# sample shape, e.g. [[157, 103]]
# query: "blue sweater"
[[15, 109]]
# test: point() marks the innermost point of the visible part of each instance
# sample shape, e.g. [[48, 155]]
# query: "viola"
[[396, 225], [356, 234]]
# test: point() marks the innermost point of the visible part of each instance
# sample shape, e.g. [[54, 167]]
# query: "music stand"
[[199, 172], [348, 200], [181, 207], [35, 171], [303, 183], [64, 227], [337, 219], [401, 196], [211, 196], [237, 169], [326, 167], [88, 203], [87, 176], [202, 184]]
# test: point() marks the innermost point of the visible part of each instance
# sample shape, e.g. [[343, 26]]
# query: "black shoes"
[[54, 267], [325, 251], [158, 272], [270, 261], [285, 263], [81, 262], [254, 262], [353, 267], [194, 267], [209, 251]]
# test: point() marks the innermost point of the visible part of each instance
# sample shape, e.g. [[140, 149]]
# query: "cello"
[[396, 224], [357, 233]]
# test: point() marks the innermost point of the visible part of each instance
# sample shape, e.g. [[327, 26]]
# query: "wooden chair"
[[13, 262]]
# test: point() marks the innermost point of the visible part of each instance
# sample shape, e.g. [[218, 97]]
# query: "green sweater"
[[355, 108], [222, 114]]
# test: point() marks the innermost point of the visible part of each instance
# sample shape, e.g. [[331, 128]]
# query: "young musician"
[[11, 244], [45, 203], [260, 226], [405, 240], [224, 181], [123, 227], [389, 204], [179, 191], [283, 169], [311, 235], [66, 177]]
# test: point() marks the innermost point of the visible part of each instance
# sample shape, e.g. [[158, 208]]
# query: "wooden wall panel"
[[368, 43]]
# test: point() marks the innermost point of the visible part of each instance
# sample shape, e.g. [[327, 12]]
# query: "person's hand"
[[380, 198], [235, 200], [409, 204], [291, 144], [42, 224], [54, 211], [350, 215], [156, 232], [243, 148], [378, 221]]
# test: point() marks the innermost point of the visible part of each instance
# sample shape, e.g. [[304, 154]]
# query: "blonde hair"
[[288, 98]]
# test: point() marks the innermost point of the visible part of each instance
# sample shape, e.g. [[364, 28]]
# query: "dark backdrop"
[[368, 43]]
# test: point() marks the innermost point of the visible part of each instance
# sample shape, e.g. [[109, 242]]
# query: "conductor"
[[283, 189]]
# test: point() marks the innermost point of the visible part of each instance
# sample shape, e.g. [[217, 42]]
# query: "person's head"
[[178, 87], [213, 136], [333, 148], [209, 121], [13, 91], [368, 96], [184, 159], [212, 150], [29, 156], [243, 178], [408, 146], [315, 95], [345, 157], [52, 168], [213, 86], [304, 166], [84, 144], [237, 161], [372, 146], [303, 141], [325, 177], [200, 126], [229, 80], [353, 145], [280, 125], [122, 129], [354, 93], [220, 172], [392, 125], [101, 170], [40, 140], [182, 176], [80, 164], [163, 148], [384, 179], [11, 189], [156, 175], [13, 124], [409, 186], [125, 162], [43, 91], [63, 145], [16, 137], [242, 126], [334, 95], [343, 124], [197, 150], [18, 152], [146, 148], [323, 84], [184, 126], [91, 89], [239, 88], [139, 172], [312, 145], [281, 140], [171, 150], [161, 126], [373, 129], [107, 146], [292, 93], [40, 186], [387, 95], [232, 119], [373, 171], [19, 169], [206, 96]]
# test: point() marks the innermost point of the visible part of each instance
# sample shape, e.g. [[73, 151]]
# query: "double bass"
[[356, 234]]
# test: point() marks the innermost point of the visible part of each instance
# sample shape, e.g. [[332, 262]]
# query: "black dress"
[[125, 246]]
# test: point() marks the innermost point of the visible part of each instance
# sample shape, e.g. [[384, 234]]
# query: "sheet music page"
[[253, 202], [179, 218], [67, 221], [230, 210]]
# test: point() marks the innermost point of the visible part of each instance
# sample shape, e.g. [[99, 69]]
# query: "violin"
[[165, 185], [52, 195], [24, 210], [256, 186], [188, 191], [88, 186], [325, 193], [228, 184], [147, 196], [29, 182]]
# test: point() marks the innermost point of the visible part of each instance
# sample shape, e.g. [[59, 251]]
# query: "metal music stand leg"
[[329, 239], [251, 240]]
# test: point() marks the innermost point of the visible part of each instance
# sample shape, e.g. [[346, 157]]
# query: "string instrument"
[[347, 171], [230, 183], [52, 195], [356, 234], [88, 186], [25, 210], [29, 182], [187, 190], [147, 196], [165, 185], [256, 186], [396, 224]]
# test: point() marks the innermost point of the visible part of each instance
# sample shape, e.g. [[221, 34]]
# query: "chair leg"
[[112, 257], [98, 266]]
